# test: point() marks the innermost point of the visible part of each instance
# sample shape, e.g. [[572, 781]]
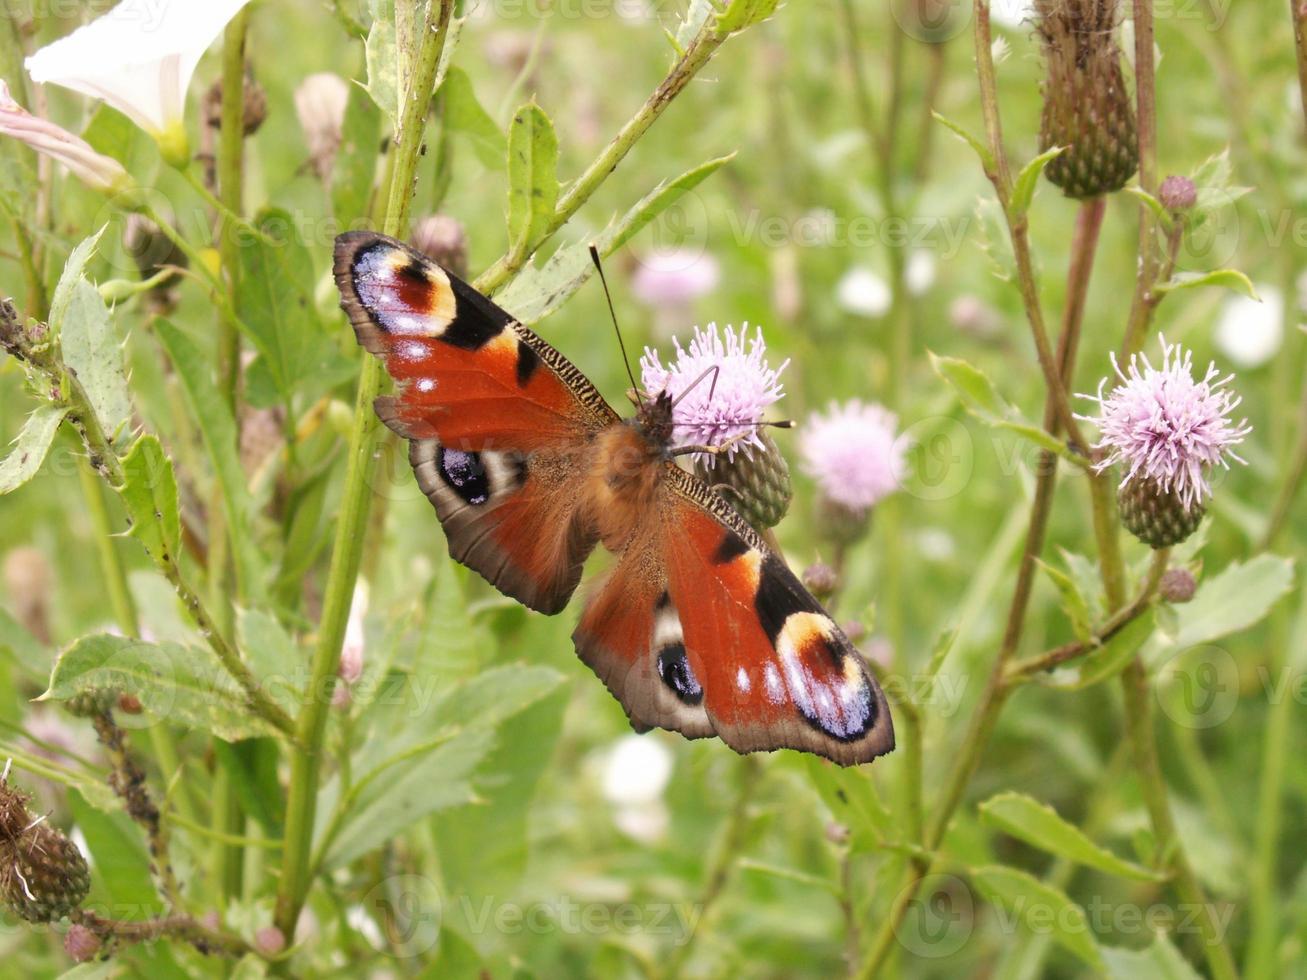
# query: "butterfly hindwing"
[[498, 420]]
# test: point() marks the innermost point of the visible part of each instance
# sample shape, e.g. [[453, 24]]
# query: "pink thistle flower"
[[721, 407], [675, 278], [854, 454], [1163, 425]]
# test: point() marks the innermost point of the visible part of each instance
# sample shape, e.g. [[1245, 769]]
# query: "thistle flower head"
[[675, 277], [726, 404], [1167, 427], [853, 453]]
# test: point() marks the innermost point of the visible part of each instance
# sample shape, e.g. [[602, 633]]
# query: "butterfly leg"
[[711, 450]]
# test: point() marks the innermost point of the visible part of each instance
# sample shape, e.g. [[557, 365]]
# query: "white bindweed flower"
[[139, 58], [92, 168], [862, 292], [1250, 333], [635, 774]]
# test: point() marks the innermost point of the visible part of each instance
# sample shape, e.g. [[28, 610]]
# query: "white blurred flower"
[[1012, 14], [351, 654], [863, 293], [139, 58], [92, 168], [320, 102], [919, 275], [1250, 333], [675, 277], [635, 774]]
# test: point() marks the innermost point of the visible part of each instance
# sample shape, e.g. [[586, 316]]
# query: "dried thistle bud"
[[443, 240], [13, 338], [821, 580], [81, 944], [1177, 194], [1178, 585], [1087, 109], [755, 480], [29, 581], [43, 876], [320, 103], [255, 108]]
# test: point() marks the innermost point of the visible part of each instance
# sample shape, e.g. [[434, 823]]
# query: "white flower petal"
[[1250, 333], [139, 57], [636, 771], [863, 293]]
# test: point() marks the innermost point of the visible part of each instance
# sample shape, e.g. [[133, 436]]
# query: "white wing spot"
[[742, 680]]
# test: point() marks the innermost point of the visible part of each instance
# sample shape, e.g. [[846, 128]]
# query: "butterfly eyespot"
[[464, 474], [674, 668]]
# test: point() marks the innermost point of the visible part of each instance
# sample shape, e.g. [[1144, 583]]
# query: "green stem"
[[697, 55], [1146, 112], [306, 764]]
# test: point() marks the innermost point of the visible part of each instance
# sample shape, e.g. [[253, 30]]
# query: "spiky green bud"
[[43, 876], [755, 481], [1157, 517]]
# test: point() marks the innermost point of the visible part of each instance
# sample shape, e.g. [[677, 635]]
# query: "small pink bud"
[[269, 941], [81, 944], [1178, 585], [821, 580], [1177, 194]]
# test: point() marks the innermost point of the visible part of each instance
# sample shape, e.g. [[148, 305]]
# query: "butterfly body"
[[698, 627]]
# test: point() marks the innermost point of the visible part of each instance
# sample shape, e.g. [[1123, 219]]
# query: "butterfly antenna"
[[715, 371], [594, 257]]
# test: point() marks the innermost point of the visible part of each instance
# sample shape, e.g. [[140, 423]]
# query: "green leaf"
[[1108, 661], [979, 397], [464, 115], [149, 492], [1023, 188], [539, 290], [851, 797], [275, 301], [92, 349], [740, 14], [122, 867], [274, 657], [1074, 603], [382, 55], [1041, 907], [218, 430], [696, 15], [982, 151], [354, 170], [1239, 597], [31, 447], [1151, 202], [181, 684], [532, 179], [1160, 961], [1039, 825], [1231, 279]]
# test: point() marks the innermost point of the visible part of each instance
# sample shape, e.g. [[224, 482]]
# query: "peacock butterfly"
[[699, 627]]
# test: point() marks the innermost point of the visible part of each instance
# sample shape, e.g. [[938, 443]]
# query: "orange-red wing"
[[773, 668], [466, 373], [499, 422]]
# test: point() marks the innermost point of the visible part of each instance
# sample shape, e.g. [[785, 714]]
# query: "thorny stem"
[[698, 54], [1144, 301], [182, 927], [306, 765]]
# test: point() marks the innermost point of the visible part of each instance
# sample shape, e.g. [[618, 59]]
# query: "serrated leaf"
[[177, 683], [1074, 604], [1023, 188], [1231, 279], [980, 398], [1041, 907], [532, 179], [274, 657], [149, 492], [122, 866], [218, 430], [463, 115], [1107, 661], [31, 447], [1239, 597], [1039, 825], [982, 151], [92, 349], [539, 290], [1159, 961], [740, 14]]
